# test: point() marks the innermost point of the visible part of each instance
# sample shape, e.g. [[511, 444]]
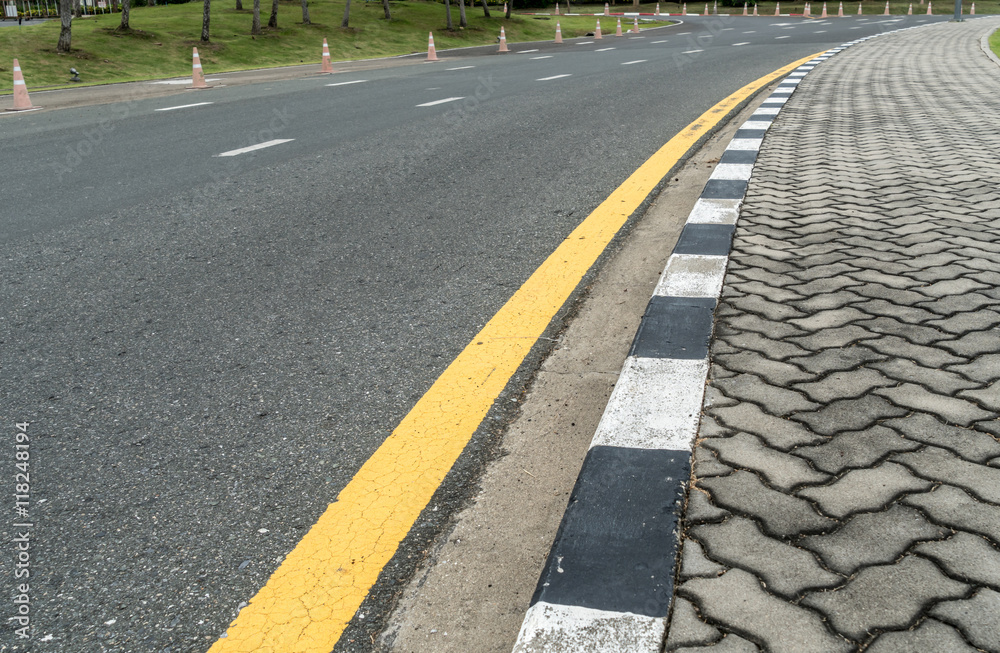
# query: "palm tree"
[[305, 13], [461, 14], [273, 21], [347, 14], [255, 26], [385, 8], [126, 7], [205, 17], [66, 20]]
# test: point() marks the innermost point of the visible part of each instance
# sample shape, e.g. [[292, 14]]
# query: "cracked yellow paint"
[[311, 597]]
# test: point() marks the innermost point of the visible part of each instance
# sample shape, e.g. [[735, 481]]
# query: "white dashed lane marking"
[[692, 51], [780, 37], [460, 68], [258, 146], [603, 49], [184, 106], [356, 81], [526, 51], [743, 43], [629, 63], [435, 102], [547, 56], [545, 79], [659, 42]]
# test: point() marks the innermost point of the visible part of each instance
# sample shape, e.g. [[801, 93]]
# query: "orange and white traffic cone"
[[929, 12], [886, 8], [657, 8], [558, 33], [503, 41], [21, 100], [618, 30], [909, 10], [557, 9], [777, 8], [823, 13], [684, 10], [597, 31], [706, 8], [715, 8], [755, 9], [431, 52], [505, 9], [805, 12], [607, 10], [745, 9], [840, 12], [635, 25], [197, 76], [327, 66], [859, 8], [972, 12]]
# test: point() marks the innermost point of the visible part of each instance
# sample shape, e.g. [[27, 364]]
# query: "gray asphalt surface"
[[208, 348]]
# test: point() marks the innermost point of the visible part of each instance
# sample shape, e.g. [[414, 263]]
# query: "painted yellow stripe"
[[309, 600]]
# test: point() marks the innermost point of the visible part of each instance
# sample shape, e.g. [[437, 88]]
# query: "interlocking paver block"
[[772, 371], [751, 322], [865, 489], [838, 359], [785, 569], [694, 563], [731, 644], [850, 415], [984, 369], [934, 463], [967, 556], [776, 431], [707, 464], [885, 597], [976, 617], [929, 635], [952, 507], [897, 347], [873, 538], [738, 599], [974, 344], [773, 349], [774, 399], [954, 411], [687, 629], [950, 287], [988, 397], [856, 449], [826, 301], [953, 304], [700, 509], [844, 385], [781, 470], [829, 319], [939, 381], [969, 444], [965, 322], [762, 306], [827, 338], [916, 333], [782, 515]]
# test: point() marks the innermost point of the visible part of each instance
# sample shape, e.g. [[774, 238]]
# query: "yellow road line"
[[312, 596]]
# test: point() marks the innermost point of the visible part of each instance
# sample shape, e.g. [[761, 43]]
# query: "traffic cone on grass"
[[558, 33]]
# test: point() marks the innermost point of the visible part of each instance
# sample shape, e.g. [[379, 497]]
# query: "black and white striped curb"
[[609, 579]]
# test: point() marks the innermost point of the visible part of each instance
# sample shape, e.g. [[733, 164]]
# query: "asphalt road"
[[207, 348]]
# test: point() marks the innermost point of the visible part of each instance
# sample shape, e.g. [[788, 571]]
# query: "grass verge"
[[159, 44]]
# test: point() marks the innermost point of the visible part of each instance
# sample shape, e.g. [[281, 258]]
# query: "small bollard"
[[75, 75]]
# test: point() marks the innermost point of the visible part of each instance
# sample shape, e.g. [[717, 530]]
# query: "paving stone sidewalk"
[[846, 492]]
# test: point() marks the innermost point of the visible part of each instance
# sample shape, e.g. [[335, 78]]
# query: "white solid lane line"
[[460, 68], [185, 106], [545, 79], [356, 81], [447, 99], [603, 49], [258, 146], [629, 63], [547, 56]]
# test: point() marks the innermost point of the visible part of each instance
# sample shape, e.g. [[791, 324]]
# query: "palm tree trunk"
[[347, 15], [126, 8], [385, 8], [273, 20], [486, 10], [255, 25], [239, 5], [447, 12], [66, 22], [462, 22], [77, 9], [305, 13], [205, 18]]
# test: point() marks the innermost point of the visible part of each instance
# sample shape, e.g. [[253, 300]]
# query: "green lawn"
[[160, 45], [995, 42]]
